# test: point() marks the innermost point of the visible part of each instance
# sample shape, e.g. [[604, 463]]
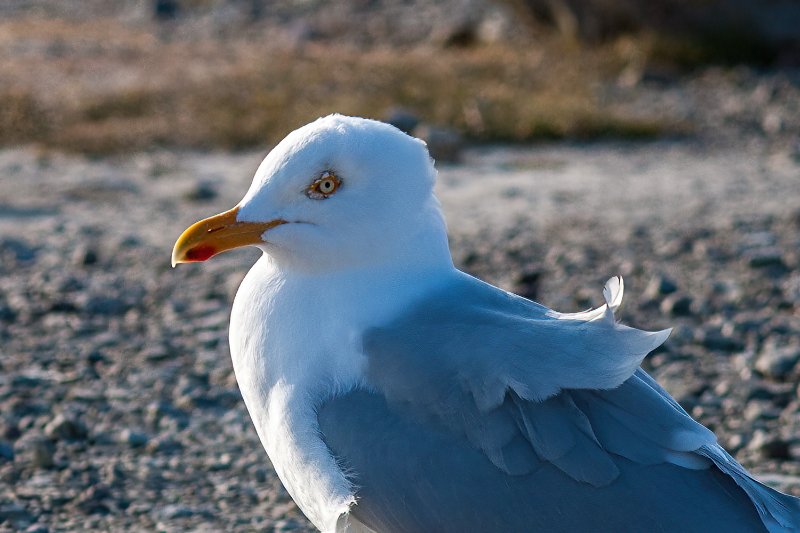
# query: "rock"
[[443, 144], [660, 286], [18, 249], [202, 191], [402, 119], [760, 410], [64, 427], [527, 284], [777, 362], [91, 501], [7, 314], [37, 528], [164, 445], [677, 305], [105, 305], [40, 451], [6, 452], [765, 257], [779, 394], [176, 511], [134, 439], [769, 446], [85, 256], [15, 513], [714, 339]]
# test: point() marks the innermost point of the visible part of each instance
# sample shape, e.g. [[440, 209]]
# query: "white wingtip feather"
[[613, 291]]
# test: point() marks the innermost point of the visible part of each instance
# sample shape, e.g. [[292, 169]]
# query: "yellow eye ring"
[[324, 186]]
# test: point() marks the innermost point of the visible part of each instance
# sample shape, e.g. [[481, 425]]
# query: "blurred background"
[[575, 139]]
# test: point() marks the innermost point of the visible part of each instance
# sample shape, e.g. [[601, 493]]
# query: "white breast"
[[295, 342]]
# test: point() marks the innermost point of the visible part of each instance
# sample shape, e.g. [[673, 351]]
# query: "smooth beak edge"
[[211, 236]]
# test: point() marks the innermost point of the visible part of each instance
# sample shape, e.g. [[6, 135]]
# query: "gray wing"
[[414, 476], [487, 412]]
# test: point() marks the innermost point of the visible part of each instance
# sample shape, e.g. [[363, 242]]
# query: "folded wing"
[[528, 386]]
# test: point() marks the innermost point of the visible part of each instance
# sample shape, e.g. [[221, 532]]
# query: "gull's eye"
[[324, 186]]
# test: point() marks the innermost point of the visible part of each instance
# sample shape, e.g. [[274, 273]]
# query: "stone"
[[18, 249], [777, 362], [402, 119], [677, 305], [38, 450], [444, 144], [203, 191], [105, 305], [714, 339], [15, 513], [64, 427], [765, 257], [660, 286], [769, 446], [134, 439]]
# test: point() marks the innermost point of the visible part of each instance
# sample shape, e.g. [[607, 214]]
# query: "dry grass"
[[104, 88]]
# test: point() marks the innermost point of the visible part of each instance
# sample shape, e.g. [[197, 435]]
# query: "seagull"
[[395, 393]]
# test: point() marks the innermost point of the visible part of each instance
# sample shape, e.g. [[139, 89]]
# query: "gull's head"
[[341, 192]]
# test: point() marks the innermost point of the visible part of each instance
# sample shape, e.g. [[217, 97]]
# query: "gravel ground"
[[118, 406]]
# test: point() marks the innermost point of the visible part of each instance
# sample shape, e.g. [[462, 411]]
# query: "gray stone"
[[134, 439], [765, 257], [105, 305], [777, 362], [444, 144], [402, 119], [35, 449], [15, 513], [177, 511], [660, 286], [64, 427], [6, 452], [677, 305], [18, 249], [203, 191], [714, 339], [769, 446]]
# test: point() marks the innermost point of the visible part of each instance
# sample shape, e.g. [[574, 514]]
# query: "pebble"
[[660, 286], [677, 305], [14, 513], [38, 450], [769, 446], [202, 191], [105, 305], [402, 119], [765, 257], [777, 362], [134, 439], [444, 144], [64, 427], [6, 451]]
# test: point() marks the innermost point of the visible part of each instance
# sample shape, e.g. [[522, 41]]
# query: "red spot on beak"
[[200, 253]]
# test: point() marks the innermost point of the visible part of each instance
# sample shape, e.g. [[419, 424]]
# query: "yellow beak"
[[214, 235]]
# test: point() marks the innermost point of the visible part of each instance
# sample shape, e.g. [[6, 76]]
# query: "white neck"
[[295, 342]]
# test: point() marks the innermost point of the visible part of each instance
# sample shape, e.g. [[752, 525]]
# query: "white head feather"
[[383, 212]]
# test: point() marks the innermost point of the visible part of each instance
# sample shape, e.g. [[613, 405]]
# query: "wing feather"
[[529, 387]]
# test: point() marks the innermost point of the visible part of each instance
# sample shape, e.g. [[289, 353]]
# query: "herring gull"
[[394, 393]]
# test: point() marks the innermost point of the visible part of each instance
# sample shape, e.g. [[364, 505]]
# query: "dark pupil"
[[327, 185]]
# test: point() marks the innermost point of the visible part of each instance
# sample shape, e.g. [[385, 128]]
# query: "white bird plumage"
[[356, 302]]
